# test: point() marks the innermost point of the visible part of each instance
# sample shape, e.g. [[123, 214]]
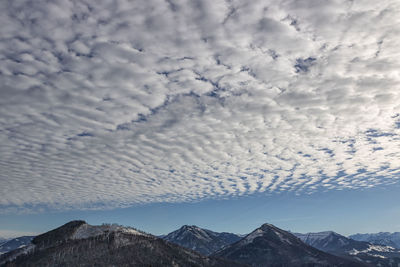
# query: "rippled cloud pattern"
[[107, 104]]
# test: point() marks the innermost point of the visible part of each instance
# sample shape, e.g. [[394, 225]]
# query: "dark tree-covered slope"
[[201, 240], [271, 246], [80, 244]]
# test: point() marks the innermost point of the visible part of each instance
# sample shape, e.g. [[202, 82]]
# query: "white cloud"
[[128, 102]]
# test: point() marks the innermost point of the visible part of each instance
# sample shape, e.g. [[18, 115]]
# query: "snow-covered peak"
[[268, 231], [190, 227], [188, 231], [268, 225], [193, 229]]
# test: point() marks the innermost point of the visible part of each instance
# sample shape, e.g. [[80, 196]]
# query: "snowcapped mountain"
[[382, 238], [201, 240], [328, 241], [15, 243], [80, 244], [339, 245], [271, 246]]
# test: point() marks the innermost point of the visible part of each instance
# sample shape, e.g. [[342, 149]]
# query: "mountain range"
[[80, 244], [361, 251], [382, 238], [206, 242], [270, 246]]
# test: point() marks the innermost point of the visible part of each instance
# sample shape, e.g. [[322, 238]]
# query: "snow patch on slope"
[[253, 235], [373, 249], [87, 231], [283, 238], [382, 238], [313, 237]]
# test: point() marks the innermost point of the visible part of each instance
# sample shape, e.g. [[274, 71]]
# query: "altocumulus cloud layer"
[[111, 103]]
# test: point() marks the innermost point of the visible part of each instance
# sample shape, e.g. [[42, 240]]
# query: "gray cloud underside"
[[111, 103]]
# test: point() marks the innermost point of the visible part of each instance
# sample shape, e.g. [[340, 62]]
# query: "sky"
[[343, 211], [148, 107]]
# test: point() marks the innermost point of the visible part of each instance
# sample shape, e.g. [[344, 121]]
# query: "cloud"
[[127, 102]]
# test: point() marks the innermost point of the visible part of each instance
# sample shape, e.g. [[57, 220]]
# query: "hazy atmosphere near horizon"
[[224, 114]]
